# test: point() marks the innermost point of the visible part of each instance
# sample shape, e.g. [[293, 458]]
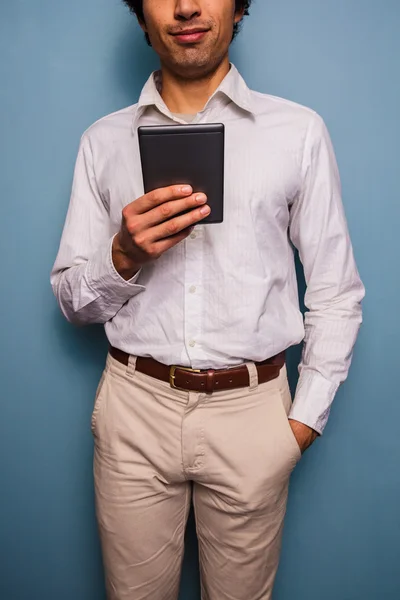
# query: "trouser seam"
[[201, 553]]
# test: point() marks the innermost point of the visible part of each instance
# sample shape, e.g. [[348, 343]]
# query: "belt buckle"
[[172, 371]]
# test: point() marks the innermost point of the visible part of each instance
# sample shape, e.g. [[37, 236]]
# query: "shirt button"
[[192, 289], [193, 236], [192, 343]]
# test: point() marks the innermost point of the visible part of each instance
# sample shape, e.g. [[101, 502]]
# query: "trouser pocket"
[[98, 402], [285, 400]]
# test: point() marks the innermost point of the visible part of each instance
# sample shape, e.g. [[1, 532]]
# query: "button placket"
[[193, 292]]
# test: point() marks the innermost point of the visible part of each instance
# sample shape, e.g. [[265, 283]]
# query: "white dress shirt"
[[228, 293]]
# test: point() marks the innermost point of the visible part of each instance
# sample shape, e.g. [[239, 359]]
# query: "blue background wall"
[[65, 64]]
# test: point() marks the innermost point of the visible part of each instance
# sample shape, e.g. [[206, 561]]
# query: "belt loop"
[[253, 375], [131, 367], [210, 382]]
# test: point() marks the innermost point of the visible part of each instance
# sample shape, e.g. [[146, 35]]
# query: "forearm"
[[330, 337], [123, 264], [93, 291]]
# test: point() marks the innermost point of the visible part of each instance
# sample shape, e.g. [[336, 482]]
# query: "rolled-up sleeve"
[[334, 293], [87, 286]]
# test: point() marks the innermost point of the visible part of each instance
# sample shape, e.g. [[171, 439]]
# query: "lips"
[[190, 36]]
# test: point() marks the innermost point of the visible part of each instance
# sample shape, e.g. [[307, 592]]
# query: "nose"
[[187, 9]]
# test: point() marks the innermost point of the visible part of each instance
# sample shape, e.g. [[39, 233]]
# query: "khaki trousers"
[[151, 442]]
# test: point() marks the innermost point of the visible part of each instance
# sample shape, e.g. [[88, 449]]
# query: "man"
[[218, 300]]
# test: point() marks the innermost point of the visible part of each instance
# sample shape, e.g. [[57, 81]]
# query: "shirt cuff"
[[313, 400], [105, 279]]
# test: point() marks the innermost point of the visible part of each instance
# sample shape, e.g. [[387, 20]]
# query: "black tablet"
[[187, 154]]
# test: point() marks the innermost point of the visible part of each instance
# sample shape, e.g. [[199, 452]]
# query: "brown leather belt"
[[206, 381]]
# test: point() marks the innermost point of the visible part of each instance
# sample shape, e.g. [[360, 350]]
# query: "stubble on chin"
[[194, 63]]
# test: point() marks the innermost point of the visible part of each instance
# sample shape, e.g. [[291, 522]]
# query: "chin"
[[194, 67]]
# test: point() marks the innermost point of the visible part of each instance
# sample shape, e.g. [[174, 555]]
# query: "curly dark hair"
[[136, 7]]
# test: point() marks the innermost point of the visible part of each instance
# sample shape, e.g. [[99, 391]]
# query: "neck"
[[189, 96]]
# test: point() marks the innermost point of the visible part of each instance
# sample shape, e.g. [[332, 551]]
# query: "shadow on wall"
[[82, 345], [294, 353]]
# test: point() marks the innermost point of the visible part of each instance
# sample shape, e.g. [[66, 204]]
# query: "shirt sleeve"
[[87, 286], [334, 293]]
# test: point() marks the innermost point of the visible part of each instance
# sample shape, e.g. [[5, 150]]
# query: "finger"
[[157, 197], [171, 209], [163, 245], [178, 224]]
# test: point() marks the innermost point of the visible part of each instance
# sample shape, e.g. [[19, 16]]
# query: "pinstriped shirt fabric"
[[228, 293]]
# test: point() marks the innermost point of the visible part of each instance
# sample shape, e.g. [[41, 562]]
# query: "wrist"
[[304, 434], [125, 266]]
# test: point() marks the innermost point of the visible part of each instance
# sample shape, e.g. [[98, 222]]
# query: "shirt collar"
[[232, 86], [235, 88]]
